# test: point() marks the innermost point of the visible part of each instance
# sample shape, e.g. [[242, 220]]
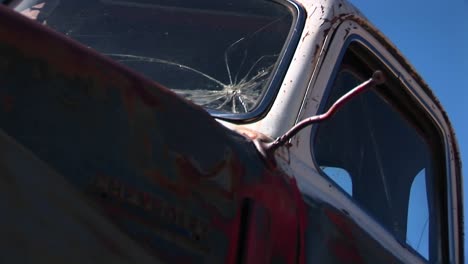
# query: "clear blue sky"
[[433, 35]]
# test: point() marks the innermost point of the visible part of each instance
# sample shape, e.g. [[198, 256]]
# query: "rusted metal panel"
[[158, 167], [45, 220], [172, 180]]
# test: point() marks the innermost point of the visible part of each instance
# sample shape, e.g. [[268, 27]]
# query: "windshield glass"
[[219, 54]]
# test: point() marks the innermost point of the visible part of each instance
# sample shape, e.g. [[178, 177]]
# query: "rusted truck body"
[[141, 132]]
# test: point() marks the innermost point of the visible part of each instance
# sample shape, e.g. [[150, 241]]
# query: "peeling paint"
[[160, 152]]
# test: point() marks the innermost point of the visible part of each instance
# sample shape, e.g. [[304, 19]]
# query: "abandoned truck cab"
[[155, 123]]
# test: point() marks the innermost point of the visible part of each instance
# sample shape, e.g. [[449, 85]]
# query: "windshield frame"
[[273, 84], [266, 100]]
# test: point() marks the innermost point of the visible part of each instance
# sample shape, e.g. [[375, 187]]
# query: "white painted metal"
[[327, 26]]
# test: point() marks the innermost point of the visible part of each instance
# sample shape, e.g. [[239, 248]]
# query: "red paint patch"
[[345, 252], [341, 223], [275, 194]]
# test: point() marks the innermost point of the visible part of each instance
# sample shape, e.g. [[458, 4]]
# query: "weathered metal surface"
[[161, 169], [270, 148], [324, 17], [170, 177], [333, 237], [45, 220]]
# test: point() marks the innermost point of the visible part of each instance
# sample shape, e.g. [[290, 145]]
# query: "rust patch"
[[252, 134], [191, 179], [313, 12], [315, 57], [305, 36], [347, 30], [335, 20], [160, 210]]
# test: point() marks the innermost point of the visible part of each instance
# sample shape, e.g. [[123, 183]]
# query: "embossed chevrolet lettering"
[[248, 131], [109, 188]]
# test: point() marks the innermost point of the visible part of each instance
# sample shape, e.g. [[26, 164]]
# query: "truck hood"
[[103, 142]]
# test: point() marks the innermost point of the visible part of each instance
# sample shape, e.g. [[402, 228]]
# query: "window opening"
[[379, 155], [417, 235]]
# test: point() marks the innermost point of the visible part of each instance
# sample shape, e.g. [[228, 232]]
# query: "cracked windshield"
[[219, 54]]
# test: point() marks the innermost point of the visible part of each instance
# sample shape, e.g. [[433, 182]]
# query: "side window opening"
[[377, 152], [340, 177], [417, 235]]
